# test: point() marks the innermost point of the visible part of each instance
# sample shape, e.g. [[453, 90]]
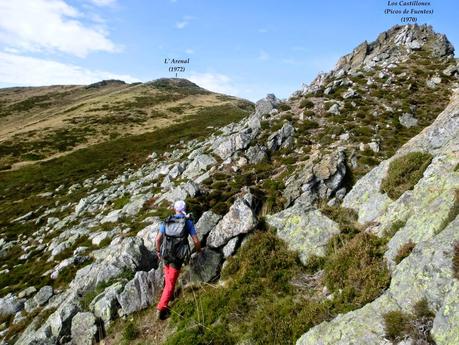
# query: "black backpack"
[[175, 246]]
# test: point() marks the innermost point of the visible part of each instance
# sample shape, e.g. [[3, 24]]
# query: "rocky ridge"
[[274, 164]]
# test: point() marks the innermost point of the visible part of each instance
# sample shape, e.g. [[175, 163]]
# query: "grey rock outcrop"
[[111, 262], [304, 229], [440, 139], [226, 146], [139, 293], [321, 176], [105, 305], [199, 165], [43, 295], [10, 305], [148, 234], [408, 120], [282, 138], [240, 219], [205, 266], [256, 154], [205, 225], [84, 329], [426, 274], [266, 105]]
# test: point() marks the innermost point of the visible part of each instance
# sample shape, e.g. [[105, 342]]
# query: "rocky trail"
[[350, 187]]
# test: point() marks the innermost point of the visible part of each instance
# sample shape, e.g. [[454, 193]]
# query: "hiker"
[[172, 239]]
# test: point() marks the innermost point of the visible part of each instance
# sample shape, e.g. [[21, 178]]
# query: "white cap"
[[179, 206]]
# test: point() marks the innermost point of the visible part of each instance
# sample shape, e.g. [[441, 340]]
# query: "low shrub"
[[416, 325], [404, 172], [404, 251], [130, 332], [306, 103], [456, 261], [358, 269]]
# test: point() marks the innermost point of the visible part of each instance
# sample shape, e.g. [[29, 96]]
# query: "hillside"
[[38, 123], [326, 218]]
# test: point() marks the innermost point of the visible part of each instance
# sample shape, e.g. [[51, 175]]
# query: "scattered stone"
[[10, 305], [43, 295], [334, 109], [84, 329], [408, 120], [27, 292], [230, 247]]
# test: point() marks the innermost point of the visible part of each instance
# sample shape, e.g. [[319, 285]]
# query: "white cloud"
[[263, 56], [183, 22], [24, 70], [50, 25], [262, 30], [189, 51], [214, 82]]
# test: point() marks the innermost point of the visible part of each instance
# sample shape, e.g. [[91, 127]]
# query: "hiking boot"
[[163, 314]]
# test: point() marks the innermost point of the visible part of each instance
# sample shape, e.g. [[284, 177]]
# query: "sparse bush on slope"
[[404, 172], [416, 326]]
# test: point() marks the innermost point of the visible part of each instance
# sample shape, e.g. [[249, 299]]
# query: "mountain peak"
[[397, 42]]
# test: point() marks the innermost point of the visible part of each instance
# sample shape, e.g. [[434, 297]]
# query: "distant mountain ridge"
[[43, 122]]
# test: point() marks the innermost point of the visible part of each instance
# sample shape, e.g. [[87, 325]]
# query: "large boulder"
[[240, 219], [304, 229], [205, 266], [281, 138], [60, 321], [266, 105], [206, 224], [43, 295], [10, 305], [322, 176], [111, 262], [224, 147], [139, 293], [105, 305], [199, 164], [256, 154], [84, 329], [179, 193]]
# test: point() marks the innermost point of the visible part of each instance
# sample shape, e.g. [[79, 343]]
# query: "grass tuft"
[[404, 172], [404, 251]]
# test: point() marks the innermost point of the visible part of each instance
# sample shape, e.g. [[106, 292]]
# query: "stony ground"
[[301, 176]]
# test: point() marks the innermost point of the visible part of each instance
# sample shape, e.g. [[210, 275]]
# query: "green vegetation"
[[257, 303], [358, 270], [394, 228], [404, 172], [130, 331], [306, 103], [417, 325], [456, 260], [404, 251]]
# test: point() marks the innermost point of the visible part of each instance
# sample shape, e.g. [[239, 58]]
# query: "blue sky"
[[245, 48]]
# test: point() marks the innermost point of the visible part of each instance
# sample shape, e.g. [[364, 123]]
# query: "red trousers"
[[170, 277]]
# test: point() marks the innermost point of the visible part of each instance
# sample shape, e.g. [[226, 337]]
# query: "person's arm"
[[159, 238], [197, 243], [194, 235]]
